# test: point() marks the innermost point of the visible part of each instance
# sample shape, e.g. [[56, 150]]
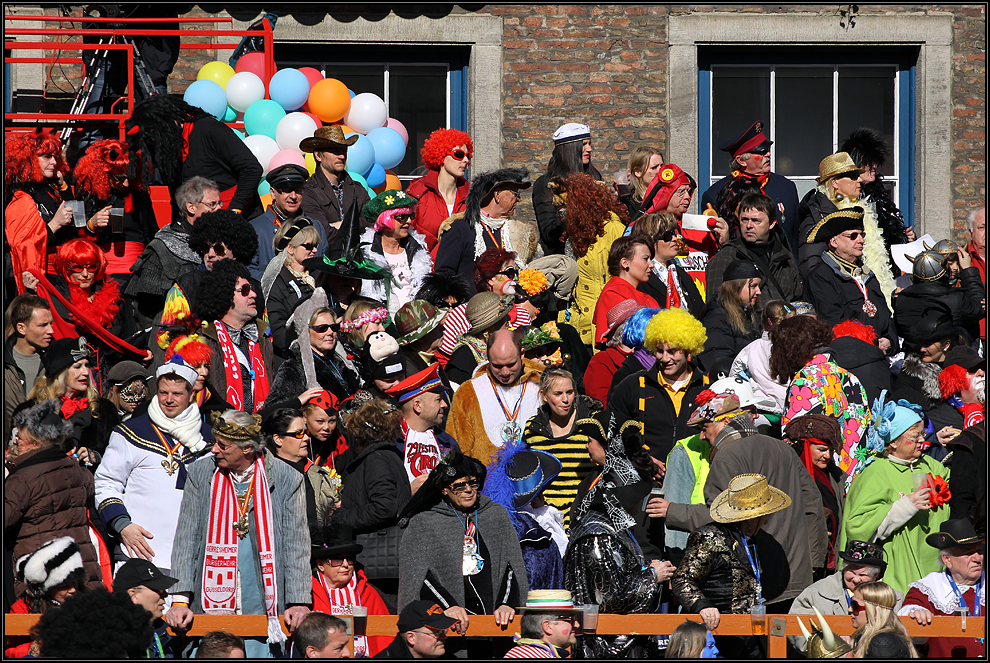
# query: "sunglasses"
[[459, 154], [245, 289], [666, 236], [339, 561], [218, 248], [322, 329], [73, 268], [856, 607], [402, 218], [310, 246], [853, 236], [464, 485], [298, 434], [511, 273]]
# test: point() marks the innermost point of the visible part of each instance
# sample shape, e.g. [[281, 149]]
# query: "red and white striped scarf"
[[341, 601], [235, 374], [220, 563]]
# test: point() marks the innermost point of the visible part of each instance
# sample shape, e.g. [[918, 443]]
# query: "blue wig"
[[634, 333]]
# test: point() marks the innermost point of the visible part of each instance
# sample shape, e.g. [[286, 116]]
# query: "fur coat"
[[417, 256], [290, 380]]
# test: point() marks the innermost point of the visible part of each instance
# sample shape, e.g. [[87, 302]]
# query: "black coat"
[[968, 481], [778, 187], [786, 282], [290, 380], [631, 364], [286, 294], [658, 290], [864, 360], [215, 152], [548, 219], [724, 340], [814, 206], [962, 303]]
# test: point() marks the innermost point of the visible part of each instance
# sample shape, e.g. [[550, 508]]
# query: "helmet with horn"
[[822, 642]]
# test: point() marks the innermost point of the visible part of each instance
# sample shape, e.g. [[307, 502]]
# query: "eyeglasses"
[[73, 268], [853, 236], [211, 205], [856, 607], [513, 192], [339, 561], [322, 329], [666, 236], [439, 635], [459, 154], [223, 445], [310, 246], [245, 289], [298, 434], [511, 273], [461, 487]]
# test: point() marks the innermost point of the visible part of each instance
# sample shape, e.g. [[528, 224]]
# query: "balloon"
[[314, 76], [240, 134], [329, 100], [376, 176], [292, 129], [350, 92], [389, 146], [263, 148], [254, 62], [243, 89], [393, 123], [357, 177], [289, 88], [263, 117], [218, 72], [229, 115], [310, 162], [380, 189], [392, 180], [284, 157], [319, 122], [367, 112], [360, 155], [266, 198], [343, 127], [264, 188], [207, 95]]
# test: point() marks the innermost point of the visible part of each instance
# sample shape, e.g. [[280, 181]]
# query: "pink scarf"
[[234, 375], [220, 563]]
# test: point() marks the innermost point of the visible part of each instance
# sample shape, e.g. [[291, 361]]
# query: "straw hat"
[[549, 600], [485, 309], [836, 164], [748, 496]]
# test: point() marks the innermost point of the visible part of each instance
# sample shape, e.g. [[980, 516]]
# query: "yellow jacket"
[[592, 277]]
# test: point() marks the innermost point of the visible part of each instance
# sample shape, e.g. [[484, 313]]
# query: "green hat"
[[416, 319], [386, 200]]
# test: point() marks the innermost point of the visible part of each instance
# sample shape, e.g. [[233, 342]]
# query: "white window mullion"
[[897, 130], [386, 100], [448, 98], [835, 109], [773, 116]]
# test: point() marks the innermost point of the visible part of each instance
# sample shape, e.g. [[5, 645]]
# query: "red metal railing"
[[29, 120]]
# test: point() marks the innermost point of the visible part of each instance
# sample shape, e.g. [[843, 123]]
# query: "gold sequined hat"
[[748, 496], [837, 164]]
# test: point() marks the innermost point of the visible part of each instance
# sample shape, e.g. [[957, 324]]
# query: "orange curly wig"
[[856, 330], [102, 159], [80, 251], [439, 145], [20, 157], [588, 205], [952, 380]]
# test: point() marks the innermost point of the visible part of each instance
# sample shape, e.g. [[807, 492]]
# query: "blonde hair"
[[320, 311], [678, 328], [308, 234], [49, 387], [553, 373], [880, 600], [687, 640], [639, 159], [730, 297], [655, 224]]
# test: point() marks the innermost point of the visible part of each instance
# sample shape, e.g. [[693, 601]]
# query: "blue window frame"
[[810, 99]]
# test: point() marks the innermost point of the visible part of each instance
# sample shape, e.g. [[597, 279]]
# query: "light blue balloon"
[[360, 155], [240, 134], [376, 176], [359, 178], [264, 188], [289, 88], [207, 95], [262, 117], [389, 146], [351, 91], [230, 115]]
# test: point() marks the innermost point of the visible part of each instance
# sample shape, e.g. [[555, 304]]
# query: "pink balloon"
[[313, 75], [393, 123], [255, 63], [284, 157], [319, 122]]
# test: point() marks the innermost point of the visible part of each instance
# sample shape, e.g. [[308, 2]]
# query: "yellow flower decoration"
[[389, 200], [533, 281]]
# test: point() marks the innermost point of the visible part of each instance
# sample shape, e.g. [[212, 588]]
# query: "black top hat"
[[861, 552], [832, 224], [63, 353], [347, 262], [954, 532], [136, 572], [751, 140], [336, 540], [288, 175]]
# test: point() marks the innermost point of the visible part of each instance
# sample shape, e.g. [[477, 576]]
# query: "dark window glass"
[[803, 105], [866, 99], [418, 99], [357, 77], [740, 97]]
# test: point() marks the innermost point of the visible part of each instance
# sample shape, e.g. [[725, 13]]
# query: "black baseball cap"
[[136, 572], [424, 613], [964, 356]]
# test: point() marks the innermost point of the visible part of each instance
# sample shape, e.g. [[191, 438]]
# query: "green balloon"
[[357, 177]]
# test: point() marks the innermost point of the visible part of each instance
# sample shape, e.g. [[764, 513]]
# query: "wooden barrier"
[[777, 627]]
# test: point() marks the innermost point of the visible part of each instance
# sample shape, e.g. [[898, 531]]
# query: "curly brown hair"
[[375, 421], [793, 344], [588, 205]]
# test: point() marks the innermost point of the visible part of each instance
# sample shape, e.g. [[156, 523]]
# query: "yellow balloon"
[[215, 71], [310, 162]]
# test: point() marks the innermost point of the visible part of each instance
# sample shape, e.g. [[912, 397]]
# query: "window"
[[423, 87], [810, 100]]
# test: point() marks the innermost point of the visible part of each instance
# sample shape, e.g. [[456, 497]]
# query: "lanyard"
[[755, 564], [962, 601], [505, 410], [161, 438], [497, 243], [158, 643], [468, 531]]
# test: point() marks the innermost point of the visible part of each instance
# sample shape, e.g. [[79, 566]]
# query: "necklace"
[[241, 526], [510, 430]]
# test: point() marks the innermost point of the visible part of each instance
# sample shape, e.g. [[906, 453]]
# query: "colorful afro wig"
[[634, 333], [80, 251], [855, 329], [102, 159], [20, 157], [195, 352], [439, 145], [952, 380], [677, 328]]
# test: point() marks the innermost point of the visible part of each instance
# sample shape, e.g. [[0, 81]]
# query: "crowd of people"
[[278, 411]]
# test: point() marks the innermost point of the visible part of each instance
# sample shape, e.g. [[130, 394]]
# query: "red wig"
[[588, 207], [80, 251], [439, 145], [855, 329], [194, 351], [20, 157], [952, 380], [102, 159], [489, 264]]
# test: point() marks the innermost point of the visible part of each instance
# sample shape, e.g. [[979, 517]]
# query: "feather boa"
[[421, 267], [103, 308], [875, 255]]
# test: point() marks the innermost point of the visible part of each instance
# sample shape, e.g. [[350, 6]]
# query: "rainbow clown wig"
[[194, 351], [20, 157], [677, 328], [439, 145]]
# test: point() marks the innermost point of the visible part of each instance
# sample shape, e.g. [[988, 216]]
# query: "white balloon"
[[263, 148], [292, 129], [243, 89], [367, 112]]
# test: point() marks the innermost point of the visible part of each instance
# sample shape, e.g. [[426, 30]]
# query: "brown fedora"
[[324, 138]]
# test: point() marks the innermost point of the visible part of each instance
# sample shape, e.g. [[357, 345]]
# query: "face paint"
[[979, 384], [710, 650]]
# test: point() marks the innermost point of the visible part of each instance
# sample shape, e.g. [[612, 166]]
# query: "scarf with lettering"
[[234, 371]]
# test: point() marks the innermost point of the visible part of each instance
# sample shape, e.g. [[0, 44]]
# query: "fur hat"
[[483, 184], [55, 563], [866, 147], [815, 427]]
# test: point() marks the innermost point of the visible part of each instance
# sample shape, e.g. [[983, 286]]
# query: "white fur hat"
[[55, 563]]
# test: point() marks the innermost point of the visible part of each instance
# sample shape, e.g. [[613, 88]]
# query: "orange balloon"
[[266, 199], [392, 181], [329, 100], [383, 187]]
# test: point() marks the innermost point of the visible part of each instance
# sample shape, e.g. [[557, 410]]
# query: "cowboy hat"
[[954, 532], [325, 138], [748, 496]]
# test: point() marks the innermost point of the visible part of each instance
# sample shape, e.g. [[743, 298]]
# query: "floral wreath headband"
[[368, 317]]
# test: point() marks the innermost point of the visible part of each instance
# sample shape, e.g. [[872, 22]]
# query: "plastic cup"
[[920, 481], [117, 219], [589, 617], [78, 210], [360, 615], [758, 615], [621, 179]]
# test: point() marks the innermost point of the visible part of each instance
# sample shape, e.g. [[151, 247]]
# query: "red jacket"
[[616, 291], [601, 369], [980, 264], [431, 211], [369, 598]]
